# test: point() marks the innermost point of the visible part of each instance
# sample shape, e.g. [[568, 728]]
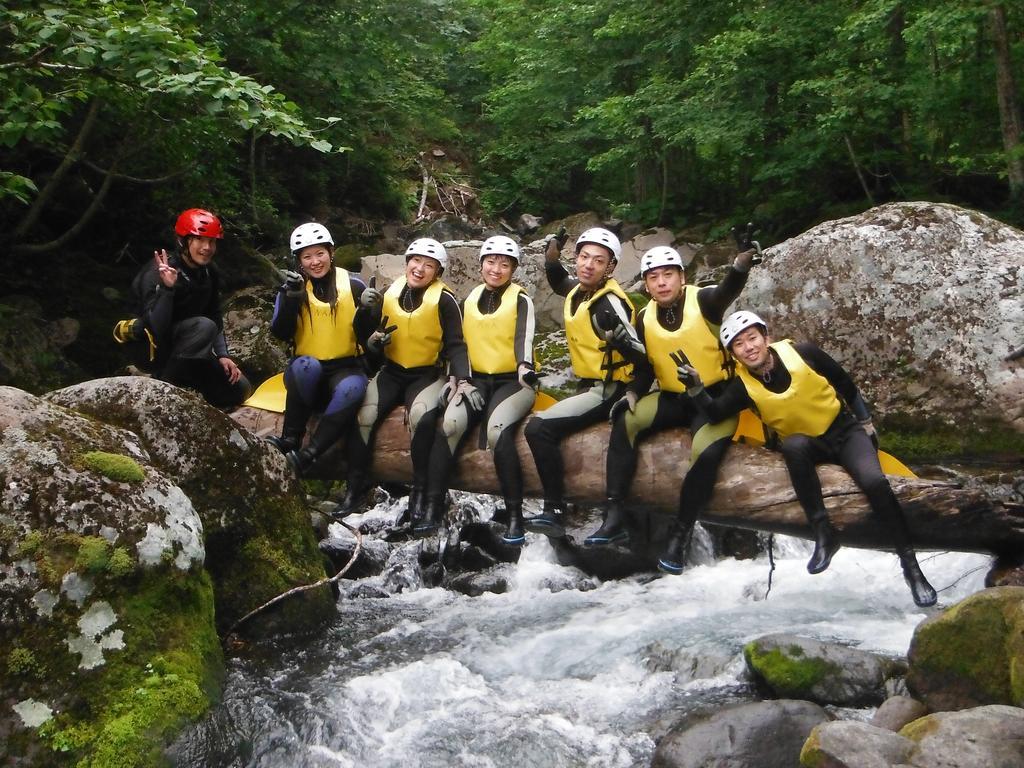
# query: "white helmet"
[[660, 256], [600, 236], [736, 323], [428, 246], [309, 234], [499, 245]]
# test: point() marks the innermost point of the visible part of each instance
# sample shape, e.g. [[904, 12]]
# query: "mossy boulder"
[[971, 654], [134, 521], [827, 673]]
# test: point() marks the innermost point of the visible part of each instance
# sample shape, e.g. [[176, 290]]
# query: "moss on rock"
[[123, 469], [972, 654], [786, 674]]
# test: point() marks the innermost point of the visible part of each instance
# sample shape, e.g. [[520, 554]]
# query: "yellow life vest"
[[416, 341], [491, 339], [323, 334], [585, 347], [695, 336], [807, 407]]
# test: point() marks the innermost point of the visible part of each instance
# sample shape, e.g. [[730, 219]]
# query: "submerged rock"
[[826, 673], [765, 734], [971, 654]]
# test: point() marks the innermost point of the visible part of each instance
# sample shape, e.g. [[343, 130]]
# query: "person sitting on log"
[[810, 402], [678, 317], [326, 313], [499, 329], [598, 327], [420, 330], [180, 323]]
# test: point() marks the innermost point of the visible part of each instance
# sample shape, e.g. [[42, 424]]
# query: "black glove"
[[745, 242], [381, 337], [687, 374], [528, 378], [625, 403], [370, 298], [294, 284]]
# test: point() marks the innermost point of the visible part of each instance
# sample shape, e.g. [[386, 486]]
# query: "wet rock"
[[896, 711], [247, 316], [991, 736], [31, 355], [921, 299], [101, 572], [827, 673], [972, 653], [494, 580], [487, 538], [765, 734], [255, 525], [1007, 571], [372, 558], [851, 744], [687, 664]]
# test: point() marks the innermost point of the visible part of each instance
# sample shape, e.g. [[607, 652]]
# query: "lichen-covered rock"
[[852, 744], [971, 654], [991, 736], [247, 316], [256, 530], [921, 300], [763, 734], [106, 614], [827, 673]]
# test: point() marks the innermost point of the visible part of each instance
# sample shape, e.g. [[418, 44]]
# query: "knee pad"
[[418, 409]]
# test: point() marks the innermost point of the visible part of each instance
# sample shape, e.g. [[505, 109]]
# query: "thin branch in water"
[[304, 588]]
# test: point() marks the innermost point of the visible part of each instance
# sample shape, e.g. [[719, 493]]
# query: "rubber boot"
[[674, 559], [613, 529], [328, 431], [433, 516], [825, 543], [923, 592], [286, 443], [514, 537], [414, 509], [352, 501], [551, 522]]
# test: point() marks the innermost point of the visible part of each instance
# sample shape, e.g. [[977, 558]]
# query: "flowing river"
[[561, 670]]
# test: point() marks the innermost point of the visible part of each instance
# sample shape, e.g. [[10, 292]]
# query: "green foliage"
[[123, 469], [21, 662], [93, 555]]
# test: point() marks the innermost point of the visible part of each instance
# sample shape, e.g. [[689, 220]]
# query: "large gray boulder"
[[827, 673], [972, 653], [135, 520], [991, 736], [852, 744], [920, 301], [764, 734]]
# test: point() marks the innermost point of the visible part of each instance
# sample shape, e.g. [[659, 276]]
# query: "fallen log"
[[753, 489]]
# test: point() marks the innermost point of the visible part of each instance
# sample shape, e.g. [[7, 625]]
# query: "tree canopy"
[[661, 111]]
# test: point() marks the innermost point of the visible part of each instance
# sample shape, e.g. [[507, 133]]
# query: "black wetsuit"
[[333, 387], [507, 402], [663, 410], [418, 387], [844, 442], [188, 330], [594, 398]]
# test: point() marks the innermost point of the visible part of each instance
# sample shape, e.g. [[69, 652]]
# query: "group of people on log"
[[358, 353]]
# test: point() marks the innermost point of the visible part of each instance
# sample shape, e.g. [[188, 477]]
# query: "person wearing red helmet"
[[179, 296]]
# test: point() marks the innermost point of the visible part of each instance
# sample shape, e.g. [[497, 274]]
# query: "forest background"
[[117, 114]]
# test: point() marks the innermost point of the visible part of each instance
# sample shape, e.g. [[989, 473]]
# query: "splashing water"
[[541, 676]]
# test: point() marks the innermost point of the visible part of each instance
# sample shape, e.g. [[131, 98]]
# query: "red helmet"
[[196, 221]]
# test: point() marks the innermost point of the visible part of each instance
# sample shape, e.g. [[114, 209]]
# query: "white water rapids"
[[537, 677]]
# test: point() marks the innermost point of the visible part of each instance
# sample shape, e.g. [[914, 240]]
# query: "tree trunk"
[[753, 489], [1009, 107]]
